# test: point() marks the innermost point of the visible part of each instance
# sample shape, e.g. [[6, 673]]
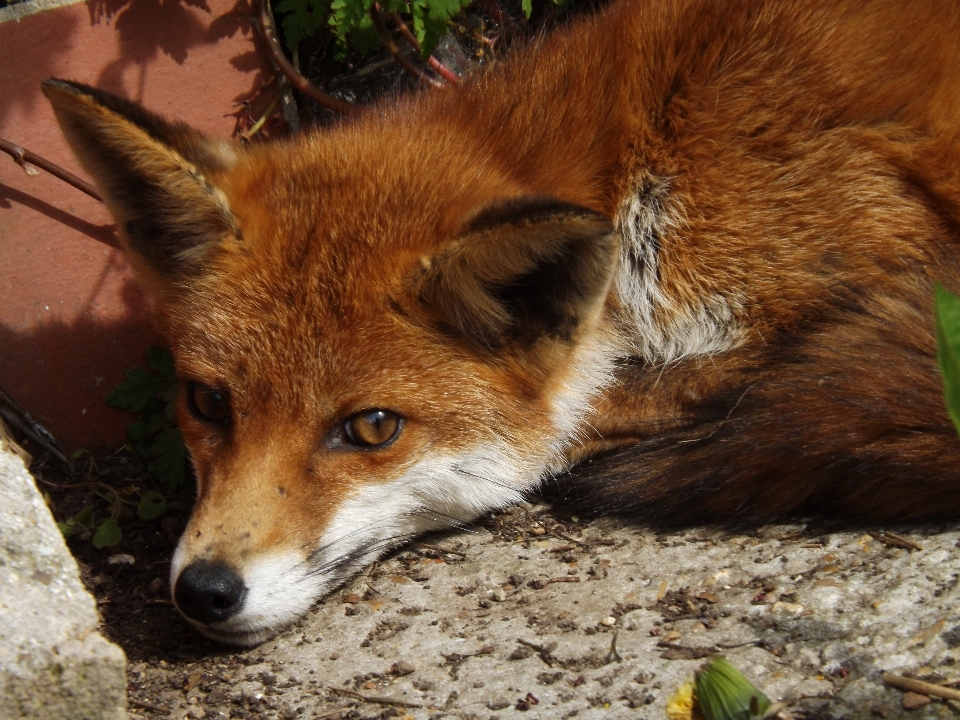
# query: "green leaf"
[[64, 528], [170, 458], [365, 38], [151, 506], [347, 15], [161, 361], [723, 693], [108, 534], [948, 349], [136, 431], [139, 389], [527, 6], [85, 518]]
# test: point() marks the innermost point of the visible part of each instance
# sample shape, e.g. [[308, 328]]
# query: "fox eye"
[[208, 404], [372, 428]]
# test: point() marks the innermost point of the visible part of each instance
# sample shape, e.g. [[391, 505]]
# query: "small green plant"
[[103, 532], [106, 532], [719, 691], [154, 436], [350, 22], [154, 439], [948, 348]]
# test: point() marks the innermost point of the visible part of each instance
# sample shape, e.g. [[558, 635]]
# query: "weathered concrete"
[[53, 662], [526, 606]]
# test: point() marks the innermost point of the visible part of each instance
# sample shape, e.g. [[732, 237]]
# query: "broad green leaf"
[[723, 693], [85, 518], [948, 349], [136, 431], [107, 535], [527, 6], [161, 361], [365, 37], [140, 388], [151, 506], [170, 458]]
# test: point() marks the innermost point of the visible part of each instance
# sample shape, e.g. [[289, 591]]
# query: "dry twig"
[[24, 157], [919, 686], [374, 699]]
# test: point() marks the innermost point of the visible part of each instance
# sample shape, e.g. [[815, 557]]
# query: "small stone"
[[401, 668], [914, 701], [609, 621], [121, 559]]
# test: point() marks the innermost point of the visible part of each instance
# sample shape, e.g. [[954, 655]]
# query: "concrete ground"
[[531, 615]]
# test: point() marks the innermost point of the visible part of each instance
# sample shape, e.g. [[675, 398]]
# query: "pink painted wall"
[[71, 317]]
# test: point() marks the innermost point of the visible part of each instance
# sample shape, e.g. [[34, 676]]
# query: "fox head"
[[378, 329]]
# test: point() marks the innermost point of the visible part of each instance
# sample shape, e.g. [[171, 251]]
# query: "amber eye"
[[208, 404], [372, 428]]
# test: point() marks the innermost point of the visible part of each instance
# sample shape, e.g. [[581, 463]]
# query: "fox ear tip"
[[55, 88]]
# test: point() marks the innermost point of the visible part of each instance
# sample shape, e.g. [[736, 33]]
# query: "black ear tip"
[[57, 85]]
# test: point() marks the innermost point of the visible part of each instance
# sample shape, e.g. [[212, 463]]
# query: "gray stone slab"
[[813, 621], [53, 662]]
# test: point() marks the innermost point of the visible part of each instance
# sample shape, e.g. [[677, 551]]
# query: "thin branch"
[[919, 686], [395, 51], [445, 72], [374, 699], [296, 79], [22, 156]]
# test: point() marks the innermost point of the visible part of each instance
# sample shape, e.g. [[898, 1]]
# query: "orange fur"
[[688, 245]]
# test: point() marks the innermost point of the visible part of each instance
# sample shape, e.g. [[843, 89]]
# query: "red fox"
[[677, 259]]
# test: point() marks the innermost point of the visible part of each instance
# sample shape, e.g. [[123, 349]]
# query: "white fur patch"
[[280, 589], [661, 329], [438, 491]]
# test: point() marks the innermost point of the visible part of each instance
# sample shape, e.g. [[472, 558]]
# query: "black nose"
[[209, 592]]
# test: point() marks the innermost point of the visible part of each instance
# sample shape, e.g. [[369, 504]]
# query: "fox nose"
[[209, 592]]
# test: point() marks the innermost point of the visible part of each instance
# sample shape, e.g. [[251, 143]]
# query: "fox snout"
[[209, 593]]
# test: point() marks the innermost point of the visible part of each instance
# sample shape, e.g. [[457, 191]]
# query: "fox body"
[[677, 259]]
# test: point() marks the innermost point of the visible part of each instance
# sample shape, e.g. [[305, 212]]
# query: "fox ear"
[[522, 270], [155, 176]]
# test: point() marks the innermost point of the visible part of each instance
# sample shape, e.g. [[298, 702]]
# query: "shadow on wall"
[[60, 370], [79, 362], [101, 233], [146, 29], [149, 27]]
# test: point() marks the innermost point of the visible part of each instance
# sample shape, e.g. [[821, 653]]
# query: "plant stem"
[[443, 70], [919, 686], [255, 128], [395, 51], [296, 79], [22, 156]]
